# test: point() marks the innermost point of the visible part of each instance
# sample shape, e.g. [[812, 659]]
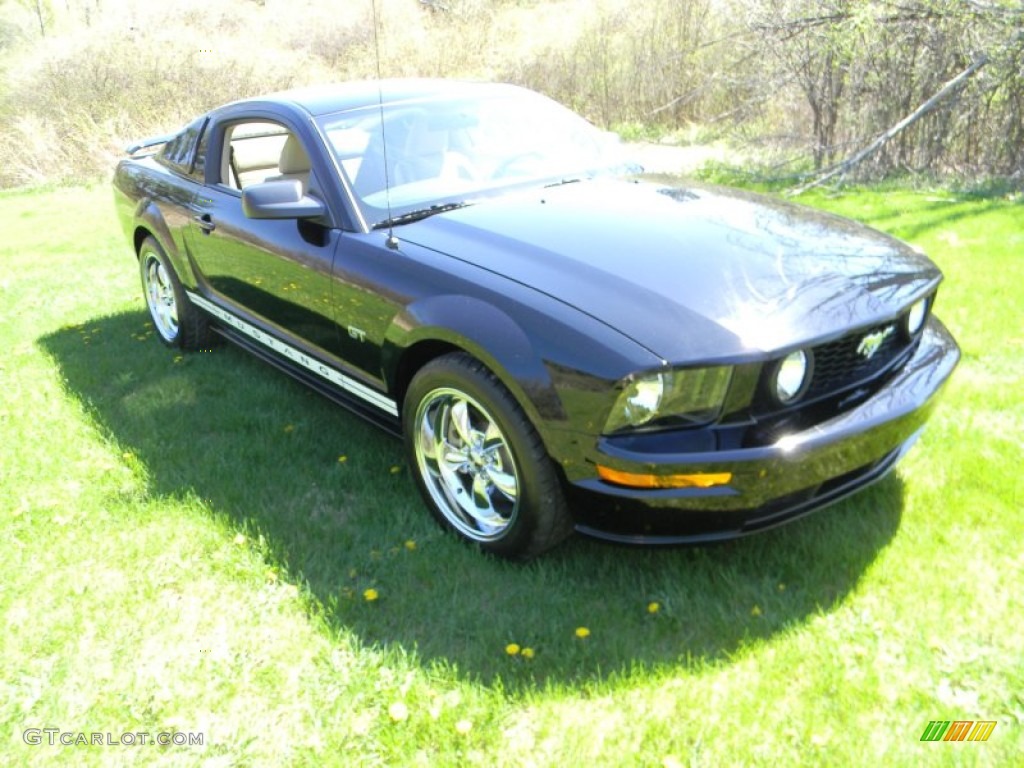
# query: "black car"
[[561, 343]]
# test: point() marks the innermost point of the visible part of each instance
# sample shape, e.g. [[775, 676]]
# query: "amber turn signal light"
[[634, 480]]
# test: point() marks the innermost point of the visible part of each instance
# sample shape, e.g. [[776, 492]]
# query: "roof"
[[325, 99]]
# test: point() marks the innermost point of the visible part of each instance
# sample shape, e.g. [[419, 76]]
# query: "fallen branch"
[[844, 167]]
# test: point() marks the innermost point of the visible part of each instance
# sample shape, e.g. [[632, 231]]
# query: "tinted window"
[[177, 153], [199, 166]]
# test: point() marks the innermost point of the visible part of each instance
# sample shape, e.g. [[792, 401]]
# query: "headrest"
[[293, 157], [424, 140]]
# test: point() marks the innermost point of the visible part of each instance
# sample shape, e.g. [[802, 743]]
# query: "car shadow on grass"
[[334, 503]]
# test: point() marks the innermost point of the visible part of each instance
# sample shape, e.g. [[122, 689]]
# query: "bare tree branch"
[[841, 169]]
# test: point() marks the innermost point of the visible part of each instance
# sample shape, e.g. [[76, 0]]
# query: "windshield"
[[443, 150]]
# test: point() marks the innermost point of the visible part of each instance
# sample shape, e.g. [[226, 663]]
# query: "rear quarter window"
[[179, 153]]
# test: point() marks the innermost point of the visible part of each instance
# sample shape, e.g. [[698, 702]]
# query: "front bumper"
[[771, 484]]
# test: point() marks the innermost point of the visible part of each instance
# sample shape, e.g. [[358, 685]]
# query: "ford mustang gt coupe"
[[561, 344]]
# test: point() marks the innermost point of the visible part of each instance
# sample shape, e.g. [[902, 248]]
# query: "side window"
[[260, 150], [177, 153], [199, 166]]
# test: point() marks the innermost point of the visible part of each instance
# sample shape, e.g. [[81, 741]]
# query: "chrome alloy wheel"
[[163, 306], [465, 462]]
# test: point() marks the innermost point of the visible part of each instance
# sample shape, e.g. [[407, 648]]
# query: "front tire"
[[479, 463], [178, 323]]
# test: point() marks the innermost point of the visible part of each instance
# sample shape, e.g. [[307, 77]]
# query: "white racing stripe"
[[322, 370]]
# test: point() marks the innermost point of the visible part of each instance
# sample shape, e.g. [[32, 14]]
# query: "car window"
[[255, 152], [444, 149], [178, 152], [199, 164]]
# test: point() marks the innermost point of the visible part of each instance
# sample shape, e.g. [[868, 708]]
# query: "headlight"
[[678, 397], [914, 319], [793, 376]]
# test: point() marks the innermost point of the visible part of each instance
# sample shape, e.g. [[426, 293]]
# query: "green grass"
[[186, 550]]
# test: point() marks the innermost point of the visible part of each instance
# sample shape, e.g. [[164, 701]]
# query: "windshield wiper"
[[417, 215], [567, 180]]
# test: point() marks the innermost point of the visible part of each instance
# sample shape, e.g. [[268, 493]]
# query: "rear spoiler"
[[150, 143]]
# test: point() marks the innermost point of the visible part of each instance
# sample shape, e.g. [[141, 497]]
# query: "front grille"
[[840, 364], [842, 377], [845, 372]]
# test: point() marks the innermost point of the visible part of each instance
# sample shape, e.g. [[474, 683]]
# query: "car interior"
[[261, 151]]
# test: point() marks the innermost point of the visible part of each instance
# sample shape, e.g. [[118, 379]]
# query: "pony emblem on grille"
[[871, 343]]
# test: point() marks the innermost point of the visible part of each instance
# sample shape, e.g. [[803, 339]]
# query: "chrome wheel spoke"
[[454, 458], [459, 414], [481, 496], [492, 438], [428, 444], [504, 482]]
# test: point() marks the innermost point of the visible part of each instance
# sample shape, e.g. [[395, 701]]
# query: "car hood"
[[694, 273]]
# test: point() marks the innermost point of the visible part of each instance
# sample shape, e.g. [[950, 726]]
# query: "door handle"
[[205, 222]]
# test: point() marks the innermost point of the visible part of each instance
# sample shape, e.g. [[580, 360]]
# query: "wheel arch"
[[439, 325], [150, 222]]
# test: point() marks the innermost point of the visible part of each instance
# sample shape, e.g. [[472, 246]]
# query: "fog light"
[[792, 376], [915, 317]]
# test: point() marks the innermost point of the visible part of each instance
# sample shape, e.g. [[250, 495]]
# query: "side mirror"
[[282, 199]]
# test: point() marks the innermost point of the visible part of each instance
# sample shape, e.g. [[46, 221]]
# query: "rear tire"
[[479, 463], [178, 323]]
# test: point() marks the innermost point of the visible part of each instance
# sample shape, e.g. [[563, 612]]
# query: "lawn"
[[195, 544]]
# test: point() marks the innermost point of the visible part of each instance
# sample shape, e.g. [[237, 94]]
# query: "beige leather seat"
[[427, 154], [294, 163]]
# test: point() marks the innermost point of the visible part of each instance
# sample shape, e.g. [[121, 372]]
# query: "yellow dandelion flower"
[[653, 607], [289, 427], [410, 545], [398, 712], [369, 595], [527, 653], [582, 632], [755, 611], [342, 459], [512, 649], [239, 539], [463, 727]]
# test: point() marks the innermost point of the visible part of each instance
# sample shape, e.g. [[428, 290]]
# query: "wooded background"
[[801, 86]]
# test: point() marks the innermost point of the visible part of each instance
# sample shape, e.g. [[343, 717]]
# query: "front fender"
[[483, 331]]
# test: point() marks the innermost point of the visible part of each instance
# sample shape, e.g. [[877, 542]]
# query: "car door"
[[274, 272]]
